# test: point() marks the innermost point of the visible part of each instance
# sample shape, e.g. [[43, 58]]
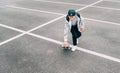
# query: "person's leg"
[[78, 36], [74, 40], [75, 35]]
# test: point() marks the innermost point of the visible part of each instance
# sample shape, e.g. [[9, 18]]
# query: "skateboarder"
[[75, 25]]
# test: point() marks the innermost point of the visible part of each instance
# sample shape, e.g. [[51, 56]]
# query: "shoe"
[[73, 48]]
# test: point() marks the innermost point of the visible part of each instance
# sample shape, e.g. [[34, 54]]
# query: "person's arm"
[[81, 23], [66, 28]]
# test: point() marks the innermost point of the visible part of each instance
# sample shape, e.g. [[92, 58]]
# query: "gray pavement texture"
[[109, 4], [30, 54], [7, 34]]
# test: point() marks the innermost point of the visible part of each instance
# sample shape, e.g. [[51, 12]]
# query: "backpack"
[[67, 17]]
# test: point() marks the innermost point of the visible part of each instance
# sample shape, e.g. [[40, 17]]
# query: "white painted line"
[[12, 28], [89, 5], [78, 48], [28, 32], [87, 51], [46, 23], [105, 8], [112, 1], [11, 6], [45, 38], [54, 12], [102, 21], [64, 14], [15, 29], [85, 18], [61, 3], [13, 38], [58, 42], [55, 18], [25, 32], [76, 4], [62, 17], [42, 25], [99, 54]]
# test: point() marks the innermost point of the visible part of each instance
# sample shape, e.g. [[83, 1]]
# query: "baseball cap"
[[71, 12]]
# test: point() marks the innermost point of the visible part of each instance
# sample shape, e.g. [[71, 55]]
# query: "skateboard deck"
[[67, 48]]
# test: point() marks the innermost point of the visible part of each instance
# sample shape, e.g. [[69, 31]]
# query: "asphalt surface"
[[31, 33]]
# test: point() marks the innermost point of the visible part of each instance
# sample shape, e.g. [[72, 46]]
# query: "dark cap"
[[71, 12]]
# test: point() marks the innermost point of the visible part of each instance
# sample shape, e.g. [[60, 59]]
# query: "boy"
[[75, 25]]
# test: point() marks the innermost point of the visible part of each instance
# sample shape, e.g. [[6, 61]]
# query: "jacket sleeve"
[[66, 29], [81, 23]]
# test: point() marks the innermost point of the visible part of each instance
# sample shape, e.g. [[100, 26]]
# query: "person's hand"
[[82, 29], [65, 44]]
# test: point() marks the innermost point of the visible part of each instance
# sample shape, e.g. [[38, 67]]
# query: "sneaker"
[[73, 48]]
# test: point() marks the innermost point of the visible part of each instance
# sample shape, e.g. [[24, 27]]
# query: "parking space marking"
[[78, 48], [112, 1], [12, 28], [55, 41], [58, 42], [61, 13], [11, 6], [71, 3], [106, 8], [25, 32], [11, 39], [64, 14], [57, 2], [44, 24], [108, 22], [89, 5]]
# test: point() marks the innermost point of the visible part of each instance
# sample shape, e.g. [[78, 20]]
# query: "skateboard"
[[67, 48]]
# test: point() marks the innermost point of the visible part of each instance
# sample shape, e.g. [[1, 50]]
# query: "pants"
[[75, 34]]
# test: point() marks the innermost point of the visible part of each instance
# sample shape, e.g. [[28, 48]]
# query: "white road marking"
[[12, 28], [112, 1], [64, 14], [25, 32], [42, 25], [13, 38], [46, 23], [106, 8], [60, 2], [78, 48], [118, 24], [76, 4], [89, 5], [33, 10], [58, 42]]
